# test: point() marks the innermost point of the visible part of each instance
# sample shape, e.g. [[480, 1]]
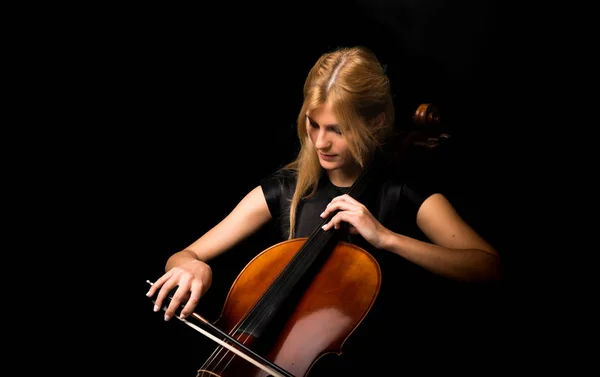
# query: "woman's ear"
[[379, 120]]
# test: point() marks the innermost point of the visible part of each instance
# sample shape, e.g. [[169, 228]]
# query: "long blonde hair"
[[354, 82]]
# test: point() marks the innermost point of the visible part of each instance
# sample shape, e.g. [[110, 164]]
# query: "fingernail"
[[148, 294], [156, 308], [167, 317], [322, 214]]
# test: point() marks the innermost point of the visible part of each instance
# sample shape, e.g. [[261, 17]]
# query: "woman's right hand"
[[192, 279]]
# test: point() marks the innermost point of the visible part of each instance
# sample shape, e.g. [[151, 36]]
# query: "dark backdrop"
[[203, 102]]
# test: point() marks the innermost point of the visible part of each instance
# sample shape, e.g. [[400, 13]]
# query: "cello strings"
[[252, 323], [197, 328]]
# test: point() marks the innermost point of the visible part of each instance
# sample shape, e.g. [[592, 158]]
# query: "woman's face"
[[326, 136]]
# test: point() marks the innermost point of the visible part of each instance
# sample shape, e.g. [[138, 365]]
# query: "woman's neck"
[[345, 177]]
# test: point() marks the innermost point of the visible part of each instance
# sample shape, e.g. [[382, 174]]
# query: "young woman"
[[346, 117]]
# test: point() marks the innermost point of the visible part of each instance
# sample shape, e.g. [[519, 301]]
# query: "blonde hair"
[[354, 82]]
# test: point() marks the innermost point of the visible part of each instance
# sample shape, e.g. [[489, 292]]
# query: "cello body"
[[331, 305]]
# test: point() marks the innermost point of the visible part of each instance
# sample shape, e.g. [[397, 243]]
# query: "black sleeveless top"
[[393, 202]]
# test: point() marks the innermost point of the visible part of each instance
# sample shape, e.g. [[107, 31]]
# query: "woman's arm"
[[188, 269], [250, 214], [457, 251]]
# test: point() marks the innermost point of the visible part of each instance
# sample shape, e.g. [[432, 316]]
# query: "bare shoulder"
[[253, 204], [442, 224]]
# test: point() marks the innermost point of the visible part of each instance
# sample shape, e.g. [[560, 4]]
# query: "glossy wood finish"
[[333, 305]]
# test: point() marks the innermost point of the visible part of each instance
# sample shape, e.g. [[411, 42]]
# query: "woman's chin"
[[327, 165]]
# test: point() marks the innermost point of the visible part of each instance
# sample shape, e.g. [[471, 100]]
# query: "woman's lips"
[[327, 157]]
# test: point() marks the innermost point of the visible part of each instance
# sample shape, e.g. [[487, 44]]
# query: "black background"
[[199, 103]]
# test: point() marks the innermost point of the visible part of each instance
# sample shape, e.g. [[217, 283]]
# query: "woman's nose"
[[322, 141]]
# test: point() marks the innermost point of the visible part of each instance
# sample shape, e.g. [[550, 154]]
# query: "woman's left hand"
[[359, 219]]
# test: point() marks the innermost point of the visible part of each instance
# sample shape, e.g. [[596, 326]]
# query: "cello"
[[302, 298]]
